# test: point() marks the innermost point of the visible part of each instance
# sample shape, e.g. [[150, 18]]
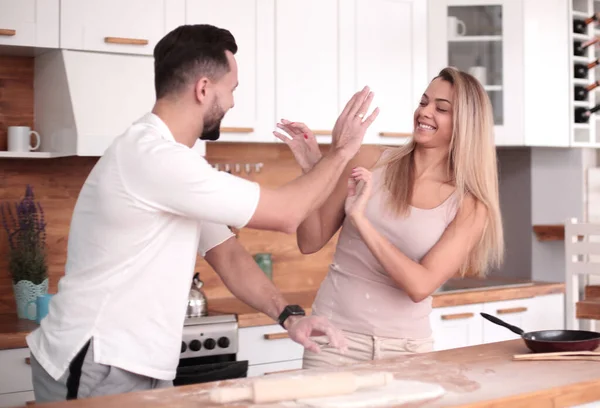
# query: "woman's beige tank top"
[[357, 295]]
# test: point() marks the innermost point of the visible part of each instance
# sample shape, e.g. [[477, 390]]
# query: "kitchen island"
[[477, 376]]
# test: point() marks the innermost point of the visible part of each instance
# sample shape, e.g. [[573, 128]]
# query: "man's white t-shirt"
[[146, 209]]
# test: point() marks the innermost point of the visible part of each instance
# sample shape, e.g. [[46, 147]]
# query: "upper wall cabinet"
[[522, 67], [251, 119], [29, 23], [307, 64], [350, 44], [127, 27], [390, 56]]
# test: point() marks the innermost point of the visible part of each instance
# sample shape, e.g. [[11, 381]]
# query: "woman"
[[428, 211]]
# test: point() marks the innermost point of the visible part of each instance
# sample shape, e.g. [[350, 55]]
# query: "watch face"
[[295, 309]]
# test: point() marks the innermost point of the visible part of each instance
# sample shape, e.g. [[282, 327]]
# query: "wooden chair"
[[582, 258]]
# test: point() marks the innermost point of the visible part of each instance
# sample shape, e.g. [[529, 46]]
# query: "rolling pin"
[[561, 355], [304, 386]]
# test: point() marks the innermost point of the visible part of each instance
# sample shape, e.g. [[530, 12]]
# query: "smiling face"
[[433, 116]]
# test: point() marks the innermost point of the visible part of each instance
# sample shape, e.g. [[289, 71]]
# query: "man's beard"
[[212, 123]]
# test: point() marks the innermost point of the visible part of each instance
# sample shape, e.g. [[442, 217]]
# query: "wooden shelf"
[[31, 155], [588, 309], [583, 60], [549, 232], [581, 37], [580, 14]]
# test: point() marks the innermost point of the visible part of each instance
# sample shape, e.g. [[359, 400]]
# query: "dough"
[[397, 392]]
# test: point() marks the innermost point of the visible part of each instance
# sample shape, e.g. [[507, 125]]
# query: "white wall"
[[540, 186]]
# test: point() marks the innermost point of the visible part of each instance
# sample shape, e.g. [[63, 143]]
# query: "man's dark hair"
[[189, 52]]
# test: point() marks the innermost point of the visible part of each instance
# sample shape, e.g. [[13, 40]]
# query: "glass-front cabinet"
[[476, 37]]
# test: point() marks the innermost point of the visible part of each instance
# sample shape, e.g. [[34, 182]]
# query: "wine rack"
[[584, 72]]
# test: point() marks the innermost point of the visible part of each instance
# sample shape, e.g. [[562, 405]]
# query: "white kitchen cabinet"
[[516, 48], [307, 63], [274, 368], [29, 23], [15, 377], [456, 326], [268, 349], [462, 326], [390, 53], [252, 117], [518, 312], [124, 27], [350, 44]]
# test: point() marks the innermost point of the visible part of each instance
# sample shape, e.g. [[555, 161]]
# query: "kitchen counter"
[[454, 293], [14, 330], [478, 376]]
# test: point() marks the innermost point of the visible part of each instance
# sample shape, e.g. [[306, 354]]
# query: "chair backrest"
[[582, 248]]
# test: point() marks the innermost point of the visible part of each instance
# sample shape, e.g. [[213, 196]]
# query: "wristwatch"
[[290, 310]]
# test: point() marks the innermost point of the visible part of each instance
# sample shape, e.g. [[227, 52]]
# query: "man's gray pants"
[[86, 379]]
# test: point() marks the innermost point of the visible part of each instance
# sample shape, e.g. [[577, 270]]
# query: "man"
[[147, 207]]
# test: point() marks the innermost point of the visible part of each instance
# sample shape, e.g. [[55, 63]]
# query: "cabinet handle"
[[394, 134], [27, 360], [275, 336], [283, 371], [236, 130], [512, 310], [457, 316], [129, 41], [7, 32]]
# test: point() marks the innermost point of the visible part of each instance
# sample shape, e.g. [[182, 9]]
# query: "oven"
[[209, 349]]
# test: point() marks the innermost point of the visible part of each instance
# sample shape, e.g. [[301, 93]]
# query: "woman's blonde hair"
[[472, 167]]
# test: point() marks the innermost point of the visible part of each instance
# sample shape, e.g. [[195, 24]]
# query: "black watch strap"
[[290, 310]]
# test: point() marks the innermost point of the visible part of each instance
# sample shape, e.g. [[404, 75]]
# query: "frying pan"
[[548, 341]]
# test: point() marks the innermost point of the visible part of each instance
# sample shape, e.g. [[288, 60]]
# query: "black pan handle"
[[499, 322]]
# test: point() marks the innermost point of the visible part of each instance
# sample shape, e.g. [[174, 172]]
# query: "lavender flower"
[[26, 230]]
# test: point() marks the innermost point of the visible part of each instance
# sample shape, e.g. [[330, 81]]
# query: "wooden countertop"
[[13, 331], [249, 317], [478, 376]]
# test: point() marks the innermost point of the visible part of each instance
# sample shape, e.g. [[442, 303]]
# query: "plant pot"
[[26, 291]]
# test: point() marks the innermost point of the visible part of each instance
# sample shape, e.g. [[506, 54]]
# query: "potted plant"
[[26, 229]]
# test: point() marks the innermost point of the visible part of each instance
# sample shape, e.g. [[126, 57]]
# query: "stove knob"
[[223, 342], [195, 345], [209, 344], [183, 347]]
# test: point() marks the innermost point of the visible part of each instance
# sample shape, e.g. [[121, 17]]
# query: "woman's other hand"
[[301, 142], [359, 190]]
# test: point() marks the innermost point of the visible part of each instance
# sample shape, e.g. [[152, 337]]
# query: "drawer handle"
[[283, 371], [27, 360], [394, 134], [237, 130], [457, 316], [276, 336], [7, 32], [512, 310], [129, 41]]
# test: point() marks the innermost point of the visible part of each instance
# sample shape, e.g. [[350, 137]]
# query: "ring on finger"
[[360, 115]]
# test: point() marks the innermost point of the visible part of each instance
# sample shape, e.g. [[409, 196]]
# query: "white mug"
[[479, 73], [456, 28], [19, 139]]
